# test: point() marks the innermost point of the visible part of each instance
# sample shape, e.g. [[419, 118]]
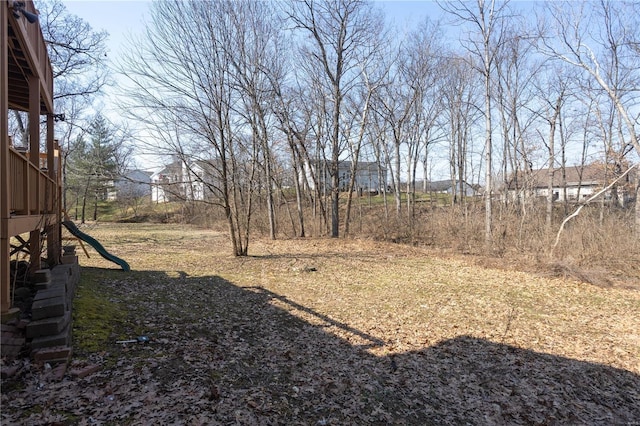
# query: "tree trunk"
[[335, 159], [637, 209], [488, 237], [84, 206], [299, 199], [550, 172], [84, 200], [396, 188], [95, 207], [269, 183]]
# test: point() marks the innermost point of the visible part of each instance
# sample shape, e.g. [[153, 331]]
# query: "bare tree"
[[461, 115], [553, 93], [487, 20], [395, 103], [77, 52], [307, 112], [188, 87], [339, 32], [596, 38], [378, 142], [423, 71], [253, 45], [359, 108], [516, 104], [407, 104], [294, 126]]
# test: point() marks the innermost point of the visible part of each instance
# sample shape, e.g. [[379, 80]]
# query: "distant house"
[[370, 176], [132, 184], [166, 184], [577, 183], [448, 186], [179, 181], [200, 180]]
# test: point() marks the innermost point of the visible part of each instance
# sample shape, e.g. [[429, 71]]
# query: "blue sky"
[[118, 17], [124, 19]]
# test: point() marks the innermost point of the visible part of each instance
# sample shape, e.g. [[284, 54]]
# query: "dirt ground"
[[331, 332]]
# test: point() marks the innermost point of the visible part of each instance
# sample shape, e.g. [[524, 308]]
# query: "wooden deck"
[[30, 188]]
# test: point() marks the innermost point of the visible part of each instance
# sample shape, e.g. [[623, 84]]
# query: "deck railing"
[[32, 190]]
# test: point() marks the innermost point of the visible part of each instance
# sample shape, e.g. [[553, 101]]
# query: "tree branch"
[[577, 211]]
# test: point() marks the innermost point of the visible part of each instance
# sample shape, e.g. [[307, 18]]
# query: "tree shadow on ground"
[[465, 380], [462, 380], [224, 354]]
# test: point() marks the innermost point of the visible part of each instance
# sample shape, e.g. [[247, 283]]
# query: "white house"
[[166, 183], [200, 180], [193, 181]]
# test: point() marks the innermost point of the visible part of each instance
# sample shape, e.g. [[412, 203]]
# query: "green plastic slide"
[[95, 244]]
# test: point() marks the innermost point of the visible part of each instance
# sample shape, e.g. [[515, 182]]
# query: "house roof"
[[362, 165], [131, 172], [170, 169], [439, 185], [209, 166], [589, 175], [445, 185]]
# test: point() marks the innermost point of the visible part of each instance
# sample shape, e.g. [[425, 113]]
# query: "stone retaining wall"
[[50, 323]]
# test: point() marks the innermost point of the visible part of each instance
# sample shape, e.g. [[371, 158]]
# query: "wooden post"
[[5, 285], [53, 229], [34, 158]]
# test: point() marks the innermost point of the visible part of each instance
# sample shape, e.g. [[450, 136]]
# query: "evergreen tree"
[[94, 165]]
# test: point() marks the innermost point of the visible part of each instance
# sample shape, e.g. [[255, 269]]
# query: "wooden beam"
[[5, 285], [54, 243], [20, 224]]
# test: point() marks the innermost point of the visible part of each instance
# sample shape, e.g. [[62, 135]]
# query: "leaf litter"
[[327, 332]]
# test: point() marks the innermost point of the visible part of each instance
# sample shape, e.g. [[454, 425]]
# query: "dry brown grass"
[[348, 331], [600, 252], [398, 289], [603, 251]]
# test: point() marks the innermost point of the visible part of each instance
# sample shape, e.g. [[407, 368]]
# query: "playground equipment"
[[95, 244]]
